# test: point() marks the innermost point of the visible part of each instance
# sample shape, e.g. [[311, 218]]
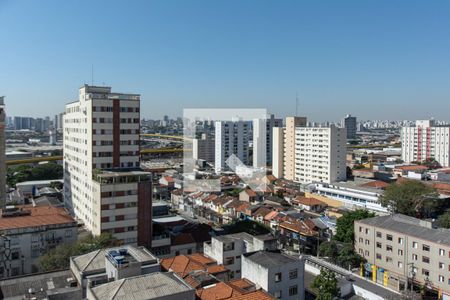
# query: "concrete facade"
[[204, 148], [231, 138], [263, 140], [349, 123]]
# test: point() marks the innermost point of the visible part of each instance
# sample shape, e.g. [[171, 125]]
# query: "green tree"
[[412, 198], [325, 285], [328, 249], [59, 258], [47, 171], [444, 220], [347, 257], [345, 225]]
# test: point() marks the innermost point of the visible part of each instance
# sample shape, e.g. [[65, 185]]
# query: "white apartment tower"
[[263, 140], [318, 154], [103, 185], [426, 140], [283, 149], [231, 138]]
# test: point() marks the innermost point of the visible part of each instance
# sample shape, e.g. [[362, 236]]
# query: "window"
[[414, 257], [400, 241], [367, 242], [400, 252], [400, 264], [366, 253], [441, 266], [425, 272], [425, 259], [441, 278], [441, 252], [425, 247], [68, 233], [389, 237], [229, 261], [277, 294], [388, 259], [293, 274], [379, 245], [415, 245], [15, 255], [293, 290], [379, 256], [360, 229], [379, 235], [277, 277], [388, 248], [367, 231], [361, 240]]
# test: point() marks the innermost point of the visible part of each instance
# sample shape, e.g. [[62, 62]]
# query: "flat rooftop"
[[270, 259], [28, 216], [411, 227], [149, 286]]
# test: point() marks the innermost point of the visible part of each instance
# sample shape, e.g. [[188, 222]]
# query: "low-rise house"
[[27, 232], [280, 275], [248, 195], [309, 204], [185, 265], [401, 171], [297, 233], [227, 249], [241, 289]]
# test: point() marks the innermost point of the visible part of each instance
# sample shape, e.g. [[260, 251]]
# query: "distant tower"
[[349, 123], [52, 135], [2, 154]]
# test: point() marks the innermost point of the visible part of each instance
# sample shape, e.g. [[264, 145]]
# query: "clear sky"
[[374, 59]]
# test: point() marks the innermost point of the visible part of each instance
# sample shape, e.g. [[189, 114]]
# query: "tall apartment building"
[[203, 148], [231, 138], [426, 140], [320, 154], [283, 155], [103, 185], [401, 249], [2, 153], [350, 124], [263, 140]]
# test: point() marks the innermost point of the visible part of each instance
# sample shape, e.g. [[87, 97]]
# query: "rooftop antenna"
[[92, 74], [296, 104]]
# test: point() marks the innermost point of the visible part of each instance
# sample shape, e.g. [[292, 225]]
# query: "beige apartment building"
[[401, 249], [103, 185], [283, 152]]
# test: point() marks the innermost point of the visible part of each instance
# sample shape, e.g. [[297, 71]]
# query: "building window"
[[425, 259], [367, 230], [388, 259], [229, 261], [389, 237], [441, 252], [367, 242], [277, 294], [425, 272], [388, 248], [441, 278], [366, 253], [400, 264], [400, 252], [425, 248], [68, 233], [293, 274], [414, 257], [277, 277], [441, 266], [293, 290], [361, 240], [415, 245], [379, 245], [360, 229], [379, 256], [400, 241], [379, 235]]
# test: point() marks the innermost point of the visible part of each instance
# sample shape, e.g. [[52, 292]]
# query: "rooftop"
[[269, 259], [28, 216], [410, 226], [149, 286], [95, 260]]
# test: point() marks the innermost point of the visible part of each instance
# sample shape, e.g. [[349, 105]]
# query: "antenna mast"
[[296, 104]]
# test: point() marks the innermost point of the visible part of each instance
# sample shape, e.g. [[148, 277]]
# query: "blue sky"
[[374, 59]]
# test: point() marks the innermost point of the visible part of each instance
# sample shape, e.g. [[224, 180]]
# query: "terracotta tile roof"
[[218, 291], [202, 259], [308, 201], [271, 215], [217, 269], [262, 211], [256, 295], [183, 265], [250, 192], [271, 178], [303, 227], [378, 184], [411, 168], [38, 216], [243, 207], [242, 283]]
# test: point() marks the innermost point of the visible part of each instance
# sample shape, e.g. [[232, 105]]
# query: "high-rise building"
[[426, 140], [283, 155], [203, 148], [263, 140], [231, 138], [318, 154], [350, 124], [2, 153], [103, 184]]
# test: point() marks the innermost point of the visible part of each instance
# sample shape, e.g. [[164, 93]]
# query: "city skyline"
[[345, 56]]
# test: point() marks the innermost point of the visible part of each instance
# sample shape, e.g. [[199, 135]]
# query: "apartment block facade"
[[283, 149], [204, 148], [231, 138], [103, 185], [263, 140], [401, 249], [426, 140]]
